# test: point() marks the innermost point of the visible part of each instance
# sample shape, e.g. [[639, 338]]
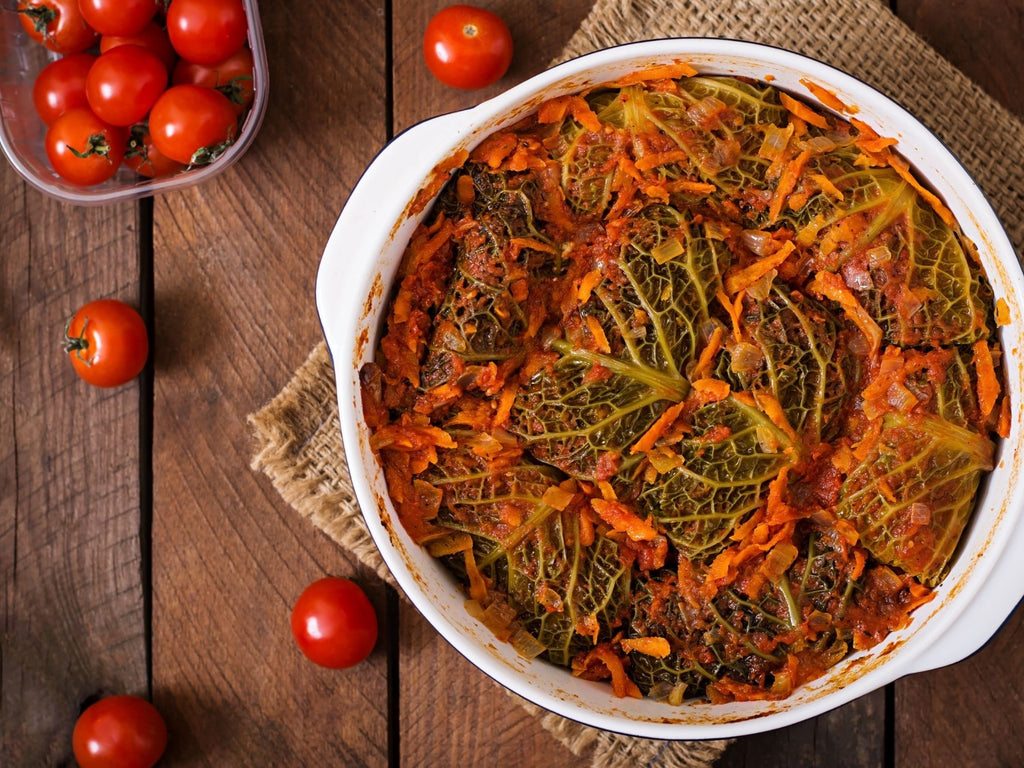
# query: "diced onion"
[[708, 327], [526, 645], [818, 144], [745, 358], [666, 251], [704, 109], [762, 287], [879, 257], [758, 241], [857, 277], [919, 514]]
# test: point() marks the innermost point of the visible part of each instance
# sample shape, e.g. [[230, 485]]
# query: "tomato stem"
[[96, 145], [76, 344], [206, 155], [41, 15]]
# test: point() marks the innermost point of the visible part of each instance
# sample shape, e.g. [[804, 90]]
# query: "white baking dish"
[[353, 285]]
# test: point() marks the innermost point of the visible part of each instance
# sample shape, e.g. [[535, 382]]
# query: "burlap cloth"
[[298, 436]]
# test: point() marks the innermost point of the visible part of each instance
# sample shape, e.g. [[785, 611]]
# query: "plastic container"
[[22, 133]]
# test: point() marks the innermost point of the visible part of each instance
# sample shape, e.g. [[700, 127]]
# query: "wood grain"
[[983, 38], [72, 619], [235, 265]]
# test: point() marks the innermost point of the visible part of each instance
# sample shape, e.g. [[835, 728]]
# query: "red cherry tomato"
[[118, 17], [119, 732], [334, 623], [233, 77], [144, 158], [83, 149], [206, 31], [192, 124], [124, 83], [107, 342], [152, 37], [57, 24], [60, 86], [467, 47]]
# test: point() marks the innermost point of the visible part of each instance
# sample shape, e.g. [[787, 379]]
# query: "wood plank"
[[235, 264], [983, 38], [852, 736], [970, 713], [439, 687], [72, 616]]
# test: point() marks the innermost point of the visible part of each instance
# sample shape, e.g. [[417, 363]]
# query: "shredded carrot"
[[622, 518], [1002, 312], [875, 145], [694, 187], [657, 647], [1003, 422], [660, 72], [801, 110], [607, 491], [655, 159], [711, 390], [773, 410], [589, 282], [741, 279], [495, 148], [707, 355], [554, 110], [622, 686], [901, 167], [988, 381], [831, 286], [734, 308], [787, 183], [532, 243], [657, 429], [587, 533], [557, 498], [825, 185], [828, 97], [600, 339]]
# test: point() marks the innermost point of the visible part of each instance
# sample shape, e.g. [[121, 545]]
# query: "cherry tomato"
[[467, 47], [119, 732], [124, 83], [206, 31], [334, 623], [144, 158], [57, 24], [60, 86], [192, 124], [107, 342], [233, 77], [152, 37], [118, 17], [83, 149]]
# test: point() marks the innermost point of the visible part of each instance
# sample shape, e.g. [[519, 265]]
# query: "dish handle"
[[987, 612], [351, 257]]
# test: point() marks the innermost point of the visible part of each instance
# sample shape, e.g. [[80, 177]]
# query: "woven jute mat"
[[297, 435]]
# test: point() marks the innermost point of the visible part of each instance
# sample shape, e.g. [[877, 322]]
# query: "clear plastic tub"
[[22, 132]]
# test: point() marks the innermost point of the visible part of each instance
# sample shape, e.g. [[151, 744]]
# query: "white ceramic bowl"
[[353, 287]]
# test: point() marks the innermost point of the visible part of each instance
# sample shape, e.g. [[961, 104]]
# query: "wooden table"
[[138, 551]]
